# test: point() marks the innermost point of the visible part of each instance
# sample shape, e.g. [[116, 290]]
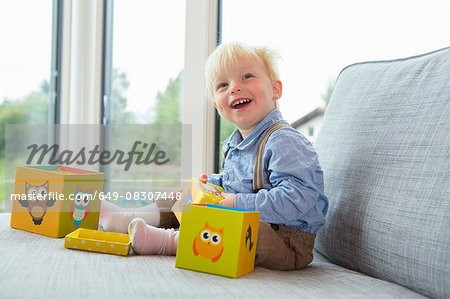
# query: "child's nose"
[[234, 89]]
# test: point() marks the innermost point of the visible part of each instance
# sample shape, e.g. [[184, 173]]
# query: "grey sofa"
[[385, 150], [384, 147]]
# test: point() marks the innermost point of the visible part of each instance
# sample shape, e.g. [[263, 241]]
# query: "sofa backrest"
[[384, 147]]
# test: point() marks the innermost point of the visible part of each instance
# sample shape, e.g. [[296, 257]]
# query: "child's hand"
[[203, 178], [228, 201]]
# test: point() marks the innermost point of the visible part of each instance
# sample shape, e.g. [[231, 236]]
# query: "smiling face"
[[244, 94]]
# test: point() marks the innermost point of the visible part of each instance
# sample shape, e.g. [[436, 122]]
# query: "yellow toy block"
[[98, 241], [55, 200], [196, 192], [217, 240]]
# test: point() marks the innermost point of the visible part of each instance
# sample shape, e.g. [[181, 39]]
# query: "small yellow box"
[[217, 240], [55, 200], [98, 241], [196, 192]]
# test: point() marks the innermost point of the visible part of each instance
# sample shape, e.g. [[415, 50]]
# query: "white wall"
[[315, 123]]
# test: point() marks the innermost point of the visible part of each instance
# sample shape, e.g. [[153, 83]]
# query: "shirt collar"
[[235, 139]]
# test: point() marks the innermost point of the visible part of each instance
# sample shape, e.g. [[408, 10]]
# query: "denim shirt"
[[293, 180]]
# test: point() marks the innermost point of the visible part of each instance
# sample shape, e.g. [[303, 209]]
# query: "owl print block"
[[55, 200], [197, 192], [217, 240]]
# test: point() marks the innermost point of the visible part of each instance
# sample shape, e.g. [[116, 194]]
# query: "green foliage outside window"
[[327, 95], [226, 128], [31, 109], [167, 108]]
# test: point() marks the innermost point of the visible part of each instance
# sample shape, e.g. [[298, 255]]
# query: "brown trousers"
[[283, 248], [167, 217]]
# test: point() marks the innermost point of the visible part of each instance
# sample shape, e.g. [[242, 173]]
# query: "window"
[[317, 39], [28, 92], [143, 86], [147, 62]]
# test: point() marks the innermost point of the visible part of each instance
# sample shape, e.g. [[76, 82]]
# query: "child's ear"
[[277, 89]]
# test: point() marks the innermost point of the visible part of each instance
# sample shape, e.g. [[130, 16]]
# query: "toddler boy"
[[244, 84]]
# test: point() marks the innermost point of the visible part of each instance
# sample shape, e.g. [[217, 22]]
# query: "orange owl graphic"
[[209, 243]]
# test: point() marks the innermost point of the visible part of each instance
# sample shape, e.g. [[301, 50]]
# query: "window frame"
[[81, 72], [217, 140], [108, 16], [201, 39], [56, 63]]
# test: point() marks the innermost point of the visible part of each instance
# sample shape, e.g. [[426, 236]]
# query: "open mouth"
[[240, 103]]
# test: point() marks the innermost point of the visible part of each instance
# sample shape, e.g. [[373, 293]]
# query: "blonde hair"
[[225, 55]]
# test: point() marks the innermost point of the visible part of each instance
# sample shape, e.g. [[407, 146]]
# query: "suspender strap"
[[258, 171], [226, 153]]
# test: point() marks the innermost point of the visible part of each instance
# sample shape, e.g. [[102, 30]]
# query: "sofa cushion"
[[36, 266], [384, 148]]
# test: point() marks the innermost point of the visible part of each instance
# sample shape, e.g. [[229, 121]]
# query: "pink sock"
[[147, 239], [116, 219]]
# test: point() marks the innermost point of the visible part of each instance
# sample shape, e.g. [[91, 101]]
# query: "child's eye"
[[222, 85], [247, 76]]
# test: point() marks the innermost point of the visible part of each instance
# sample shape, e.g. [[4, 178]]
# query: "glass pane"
[[147, 78], [148, 60], [25, 60], [316, 39]]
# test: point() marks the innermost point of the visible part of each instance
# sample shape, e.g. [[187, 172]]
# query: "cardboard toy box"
[[98, 241], [55, 200], [217, 240], [197, 192]]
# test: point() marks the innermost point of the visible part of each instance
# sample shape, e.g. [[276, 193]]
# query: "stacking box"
[[197, 192], [217, 240], [55, 200], [98, 241]]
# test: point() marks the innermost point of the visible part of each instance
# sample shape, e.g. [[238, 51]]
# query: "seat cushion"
[[384, 147], [36, 266]]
